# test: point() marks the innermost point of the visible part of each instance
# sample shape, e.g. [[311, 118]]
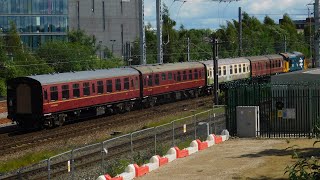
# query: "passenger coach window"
[[45, 95], [244, 67], [196, 74], [118, 85], [235, 69], [150, 80], [190, 74], [86, 89], [224, 70], [126, 84], [184, 75], [239, 68], [169, 76], [163, 76], [231, 70], [54, 93], [65, 92], [156, 79], [219, 71], [109, 86], [76, 91], [93, 88], [100, 87], [179, 76]]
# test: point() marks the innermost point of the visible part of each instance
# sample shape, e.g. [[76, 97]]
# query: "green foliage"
[[117, 167]]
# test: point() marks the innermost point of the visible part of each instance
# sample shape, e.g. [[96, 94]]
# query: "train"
[[50, 100]]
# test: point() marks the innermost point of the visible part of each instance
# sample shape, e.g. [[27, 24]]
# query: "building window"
[[109, 86], [100, 87], [54, 93], [86, 89], [65, 92], [126, 84], [76, 91], [118, 84]]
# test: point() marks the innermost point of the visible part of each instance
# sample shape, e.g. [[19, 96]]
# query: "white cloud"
[[214, 14]]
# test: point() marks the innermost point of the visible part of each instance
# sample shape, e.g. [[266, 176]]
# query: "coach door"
[[24, 99]]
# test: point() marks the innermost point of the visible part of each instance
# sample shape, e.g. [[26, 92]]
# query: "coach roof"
[[155, 68], [227, 61], [84, 75]]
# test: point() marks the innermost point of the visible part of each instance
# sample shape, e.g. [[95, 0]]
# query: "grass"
[[170, 118], [28, 159]]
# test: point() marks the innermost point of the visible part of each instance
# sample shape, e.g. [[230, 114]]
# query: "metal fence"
[[285, 110], [113, 155]]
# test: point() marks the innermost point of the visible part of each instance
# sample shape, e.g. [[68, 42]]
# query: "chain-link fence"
[[113, 155]]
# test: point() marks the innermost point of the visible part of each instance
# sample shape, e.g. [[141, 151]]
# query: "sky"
[[203, 14]]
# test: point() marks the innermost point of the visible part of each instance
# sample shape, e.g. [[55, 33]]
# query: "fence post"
[[131, 142], [49, 168], [173, 134], [72, 165], [155, 140], [102, 159], [195, 126]]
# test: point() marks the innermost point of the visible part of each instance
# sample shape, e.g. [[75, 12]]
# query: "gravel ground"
[[236, 159]]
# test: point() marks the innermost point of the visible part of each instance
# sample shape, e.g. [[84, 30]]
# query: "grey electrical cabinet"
[[248, 121]]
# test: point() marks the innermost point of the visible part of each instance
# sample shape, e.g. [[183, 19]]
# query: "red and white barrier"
[[154, 163], [133, 170], [193, 147], [171, 154], [210, 140], [129, 173]]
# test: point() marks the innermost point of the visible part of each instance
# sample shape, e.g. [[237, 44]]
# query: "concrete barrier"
[[171, 154], [154, 163], [202, 145], [181, 153], [108, 177], [217, 139], [129, 172], [163, 160], [141, 170], [210, 140], [193, 147], [226, 134]]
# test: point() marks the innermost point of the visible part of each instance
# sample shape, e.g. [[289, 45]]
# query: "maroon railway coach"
[[276, 63], [172, 81], [260, 66], [53, 98]]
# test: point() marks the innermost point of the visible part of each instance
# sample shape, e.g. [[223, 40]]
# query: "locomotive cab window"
[[86, 89], [65, 92], [109, 86], [54, 93], [118, 85], [100, 87], [76, 90], [126, 84]]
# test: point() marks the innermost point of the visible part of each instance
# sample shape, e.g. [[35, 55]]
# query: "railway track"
[[94, 161], [15, 142]]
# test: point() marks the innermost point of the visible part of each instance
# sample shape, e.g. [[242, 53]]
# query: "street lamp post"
[[215, 71]]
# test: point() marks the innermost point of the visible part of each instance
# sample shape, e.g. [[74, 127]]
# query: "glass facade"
[[37, 20]]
